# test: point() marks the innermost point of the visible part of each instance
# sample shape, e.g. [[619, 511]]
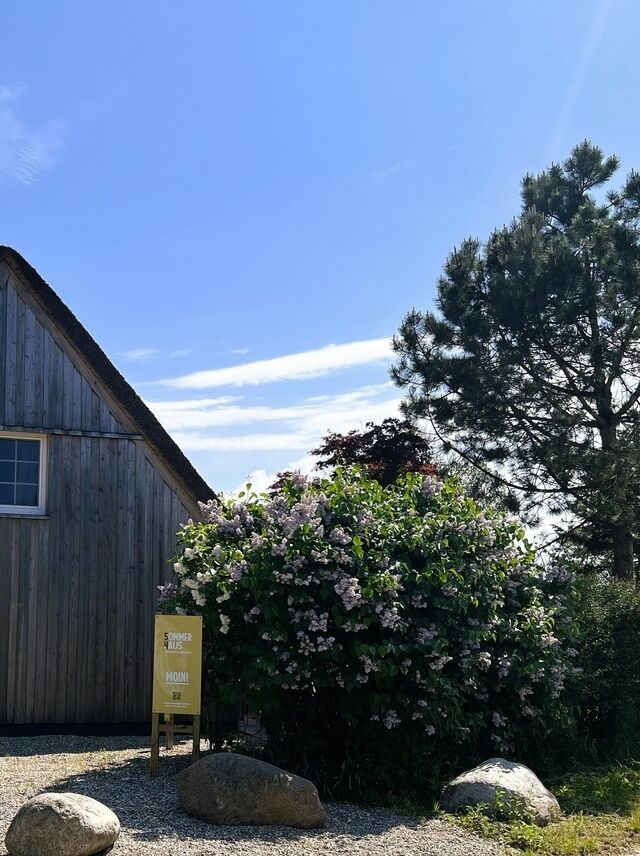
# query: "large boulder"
[[64, 825], [234, 789], [501, 788]]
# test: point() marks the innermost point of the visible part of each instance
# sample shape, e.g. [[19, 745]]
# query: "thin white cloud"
[[579, 76], [162, 408], [459, 147], [205, 424], [301, 366], [392, 169], [239, 443], [10, 93], [199, 414], [239, 351], [142, 355], [25, 150]]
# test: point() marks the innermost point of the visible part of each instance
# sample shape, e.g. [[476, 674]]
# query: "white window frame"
[[40, 509]]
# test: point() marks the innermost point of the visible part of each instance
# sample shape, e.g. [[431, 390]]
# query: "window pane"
[[7, 494], [7, 450], [19, 472], [27, 473], [7, 471], [26, 494], [28, 450]]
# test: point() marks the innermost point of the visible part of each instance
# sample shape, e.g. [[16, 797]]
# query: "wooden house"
[[92, 492]]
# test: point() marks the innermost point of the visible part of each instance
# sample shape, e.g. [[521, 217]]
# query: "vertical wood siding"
[[77, 587], [40, 387]]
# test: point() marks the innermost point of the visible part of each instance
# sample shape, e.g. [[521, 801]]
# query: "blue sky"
[[222, 191]]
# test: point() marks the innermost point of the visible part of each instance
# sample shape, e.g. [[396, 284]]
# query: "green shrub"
[[607, 692], [600, 717], [382, 634]]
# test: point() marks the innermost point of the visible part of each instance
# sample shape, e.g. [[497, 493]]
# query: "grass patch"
[[602, 816]]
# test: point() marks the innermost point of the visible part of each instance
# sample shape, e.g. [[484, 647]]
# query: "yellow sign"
[[177, 664]]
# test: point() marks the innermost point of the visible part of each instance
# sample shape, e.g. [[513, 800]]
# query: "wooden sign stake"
[[169, 728]]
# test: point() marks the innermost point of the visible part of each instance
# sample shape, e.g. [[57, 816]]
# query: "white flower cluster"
[[391, 719], [431, 485], [389, 617], [369, 665], [426, 634], [339, 536], [316, 622], [440, 662], [498, 720], [349, 590]]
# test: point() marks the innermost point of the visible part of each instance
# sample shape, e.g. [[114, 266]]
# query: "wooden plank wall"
[[78, 586], [40, 387]]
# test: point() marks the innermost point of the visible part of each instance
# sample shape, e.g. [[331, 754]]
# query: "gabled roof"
[[144, 420]]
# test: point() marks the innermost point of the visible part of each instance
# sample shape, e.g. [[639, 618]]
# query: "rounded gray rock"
[[502, 788], [62, 825], [232, 789]]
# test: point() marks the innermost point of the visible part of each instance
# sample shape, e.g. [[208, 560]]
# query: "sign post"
[[177, 676]]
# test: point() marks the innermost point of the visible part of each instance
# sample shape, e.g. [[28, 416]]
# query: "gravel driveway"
[[115, 770]]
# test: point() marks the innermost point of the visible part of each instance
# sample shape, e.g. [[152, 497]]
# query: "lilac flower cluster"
[[166, 592], [349, 590]]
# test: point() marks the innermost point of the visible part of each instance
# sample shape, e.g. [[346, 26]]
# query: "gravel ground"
[[115, 770]]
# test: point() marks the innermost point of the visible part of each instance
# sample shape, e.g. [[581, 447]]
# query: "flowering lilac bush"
[[374, 629]]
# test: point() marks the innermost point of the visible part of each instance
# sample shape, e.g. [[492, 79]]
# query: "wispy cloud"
[[141, 355], [300, 366], [392, 169], [239, 351], [589, 48], [25, 150], [10, 93], [192, 442], [203, 424], [309, 415], [164, 409], [458, 147]]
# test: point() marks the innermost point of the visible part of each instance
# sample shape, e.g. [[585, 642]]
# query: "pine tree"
[[531, 368]]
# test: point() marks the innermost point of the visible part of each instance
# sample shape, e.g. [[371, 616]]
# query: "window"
[[21, 474]]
